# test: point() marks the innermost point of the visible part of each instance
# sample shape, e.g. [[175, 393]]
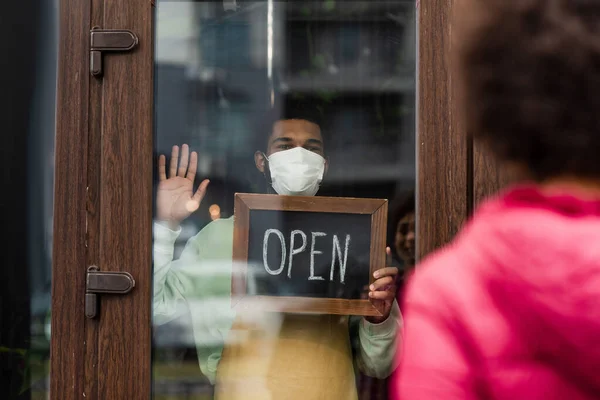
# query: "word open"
[[298, 243]]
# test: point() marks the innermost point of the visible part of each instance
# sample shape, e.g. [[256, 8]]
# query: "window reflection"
[[225, 72], [27, 206]]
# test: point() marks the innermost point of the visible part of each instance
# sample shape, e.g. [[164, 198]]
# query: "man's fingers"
[[199, 195], [162, 162], [173, 163], [381, 283], [194, 203], [388, 271], [191, 174], [388, 256], [382, 295], [183, 164]]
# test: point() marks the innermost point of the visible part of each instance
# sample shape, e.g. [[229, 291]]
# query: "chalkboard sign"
[[307, 254]]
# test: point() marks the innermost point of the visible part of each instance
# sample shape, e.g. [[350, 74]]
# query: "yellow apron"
[[303, 357]]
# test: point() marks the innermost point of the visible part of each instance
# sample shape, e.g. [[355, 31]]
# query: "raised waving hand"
[[176, 199]]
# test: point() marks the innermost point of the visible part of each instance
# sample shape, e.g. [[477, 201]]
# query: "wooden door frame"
[[103, 204], [453, 173], [444, 154], [68, 347], [103, 189]]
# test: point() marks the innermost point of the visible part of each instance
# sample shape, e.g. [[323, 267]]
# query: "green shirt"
[[200, 280]]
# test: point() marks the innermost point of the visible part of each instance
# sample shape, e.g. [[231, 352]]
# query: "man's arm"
[[378, 344], [170, 284], [378, 336], [188, 283], [175, 201]]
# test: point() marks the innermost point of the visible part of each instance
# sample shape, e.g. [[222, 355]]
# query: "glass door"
[[216, 112], [311, 98]]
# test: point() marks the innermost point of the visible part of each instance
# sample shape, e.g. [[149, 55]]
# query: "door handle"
[[109, 40], [98, 282]]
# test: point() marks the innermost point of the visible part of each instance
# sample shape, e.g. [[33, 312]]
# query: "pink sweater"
[[511, 309]]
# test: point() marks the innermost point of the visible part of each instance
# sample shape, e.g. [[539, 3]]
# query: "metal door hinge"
[[98, 282], [112, 40]]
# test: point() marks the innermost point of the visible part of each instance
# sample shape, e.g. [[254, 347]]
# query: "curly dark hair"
[[530, 74]]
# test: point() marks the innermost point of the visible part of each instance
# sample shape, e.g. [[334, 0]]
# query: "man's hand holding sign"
[[313, 254], [383, 290]]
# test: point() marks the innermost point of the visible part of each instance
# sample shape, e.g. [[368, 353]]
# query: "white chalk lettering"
[[268, 232], [314, 236], [338, 256], [336, 250], [294, 251]]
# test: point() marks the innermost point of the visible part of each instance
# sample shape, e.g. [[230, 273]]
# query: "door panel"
[[443, 151], [93, 214], [104, 204], [126, 204], [68, 342]]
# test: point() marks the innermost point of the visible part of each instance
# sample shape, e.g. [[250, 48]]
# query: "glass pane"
[[311, 98], [26, 208]]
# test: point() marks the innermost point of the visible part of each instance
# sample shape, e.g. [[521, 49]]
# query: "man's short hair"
[[531, 78], [267, 120]]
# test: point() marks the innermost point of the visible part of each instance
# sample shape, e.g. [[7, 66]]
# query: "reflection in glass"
[[237, 82], [26, 208]]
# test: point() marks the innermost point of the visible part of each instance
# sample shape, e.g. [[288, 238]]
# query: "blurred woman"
[[511, 309]]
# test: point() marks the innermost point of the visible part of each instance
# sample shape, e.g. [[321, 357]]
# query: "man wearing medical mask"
[[294, 164], [262, 355]]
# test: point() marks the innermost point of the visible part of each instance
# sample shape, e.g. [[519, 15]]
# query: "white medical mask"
[[296, 172]]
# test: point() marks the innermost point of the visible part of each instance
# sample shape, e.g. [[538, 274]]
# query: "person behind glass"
[[402, 232], [511, 309], [269, 355]]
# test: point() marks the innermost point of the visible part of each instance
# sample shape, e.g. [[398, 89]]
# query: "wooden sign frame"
[[244, 203]]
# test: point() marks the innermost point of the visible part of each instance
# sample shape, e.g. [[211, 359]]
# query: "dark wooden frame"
[[244, 203], [444, 153], [453, 174], [103, 204], [73, 345]]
